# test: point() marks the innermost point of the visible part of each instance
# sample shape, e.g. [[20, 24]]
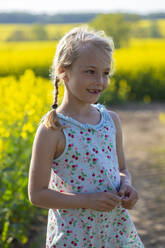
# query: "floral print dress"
[[89, 164]]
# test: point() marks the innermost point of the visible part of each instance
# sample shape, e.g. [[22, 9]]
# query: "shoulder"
[[119, 135], [46, 136], [115, 117]]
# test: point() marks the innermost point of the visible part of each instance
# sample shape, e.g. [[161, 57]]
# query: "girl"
[[78, 168]]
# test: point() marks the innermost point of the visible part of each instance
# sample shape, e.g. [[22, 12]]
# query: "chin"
[[90, 101]]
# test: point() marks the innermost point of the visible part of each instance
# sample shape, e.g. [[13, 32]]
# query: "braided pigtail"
[[67, 51], [51, 120]]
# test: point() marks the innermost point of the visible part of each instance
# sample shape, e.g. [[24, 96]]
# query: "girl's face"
[[89, 75]]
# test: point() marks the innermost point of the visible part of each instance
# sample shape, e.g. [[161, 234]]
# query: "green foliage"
[[17, 35], [39, 32], [19, 120], [139, 76], [123, 26], [16, 212], [154, 30], [57, 35], [115, 26], [143, 86], [137, 28], [14, 203], [148, 29], [34, 32]]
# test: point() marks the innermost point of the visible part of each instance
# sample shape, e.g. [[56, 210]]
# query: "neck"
[[74, 107]]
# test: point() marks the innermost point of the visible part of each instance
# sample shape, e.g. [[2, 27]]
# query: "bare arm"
[[44, 146], [40, 195], [125, 176], [127, 191]]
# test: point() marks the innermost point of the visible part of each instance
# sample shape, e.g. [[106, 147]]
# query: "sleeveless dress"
[[89, 164]]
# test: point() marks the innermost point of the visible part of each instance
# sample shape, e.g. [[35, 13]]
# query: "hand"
[[129, 195], [103, 201]]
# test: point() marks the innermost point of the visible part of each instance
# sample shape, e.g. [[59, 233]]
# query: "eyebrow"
[[108, 68]]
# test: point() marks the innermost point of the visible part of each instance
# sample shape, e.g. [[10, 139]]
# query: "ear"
[[63, 73]]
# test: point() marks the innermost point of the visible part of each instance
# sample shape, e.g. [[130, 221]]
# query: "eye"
[[107, 73], [92, 71]]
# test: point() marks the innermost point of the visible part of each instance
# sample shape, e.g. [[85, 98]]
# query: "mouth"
[[94, 91]]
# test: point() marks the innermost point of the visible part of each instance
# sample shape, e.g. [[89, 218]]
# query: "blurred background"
[[29, 33]]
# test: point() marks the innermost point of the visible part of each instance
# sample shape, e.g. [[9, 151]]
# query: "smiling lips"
[[94, 91]]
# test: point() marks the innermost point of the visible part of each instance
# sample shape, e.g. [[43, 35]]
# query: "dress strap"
[[85, 125], [106, 114]]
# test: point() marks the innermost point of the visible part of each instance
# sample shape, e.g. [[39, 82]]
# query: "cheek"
[[76, 85], [106, 83]]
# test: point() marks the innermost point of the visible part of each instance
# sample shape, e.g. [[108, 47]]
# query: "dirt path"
[[144, 146]]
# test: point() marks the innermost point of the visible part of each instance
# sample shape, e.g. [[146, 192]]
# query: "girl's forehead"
[[93, 56]]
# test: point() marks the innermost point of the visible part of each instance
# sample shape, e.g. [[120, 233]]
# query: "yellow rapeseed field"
[[29, 96], [30, 93], [26, 98], [142, 53], [16, 57]]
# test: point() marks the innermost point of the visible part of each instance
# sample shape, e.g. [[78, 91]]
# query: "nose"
[[99, 79]]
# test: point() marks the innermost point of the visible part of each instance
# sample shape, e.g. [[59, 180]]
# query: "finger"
[[112, 203], [127, 201], [108, 207], [122, 191], [124, 206], [115, 197], [133, 196], [129, 204], [116, 201]]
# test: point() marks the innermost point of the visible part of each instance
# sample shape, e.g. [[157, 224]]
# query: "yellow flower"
[[162, 117]]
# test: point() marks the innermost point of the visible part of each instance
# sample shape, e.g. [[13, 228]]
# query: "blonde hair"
[[67, 51]]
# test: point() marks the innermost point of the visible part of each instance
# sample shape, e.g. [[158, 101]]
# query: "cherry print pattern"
[[89, 164]]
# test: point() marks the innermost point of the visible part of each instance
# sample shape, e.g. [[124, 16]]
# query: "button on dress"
[[89, 164]]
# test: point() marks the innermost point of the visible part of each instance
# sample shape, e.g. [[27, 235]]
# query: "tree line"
[[30, 18], [120, 27]]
